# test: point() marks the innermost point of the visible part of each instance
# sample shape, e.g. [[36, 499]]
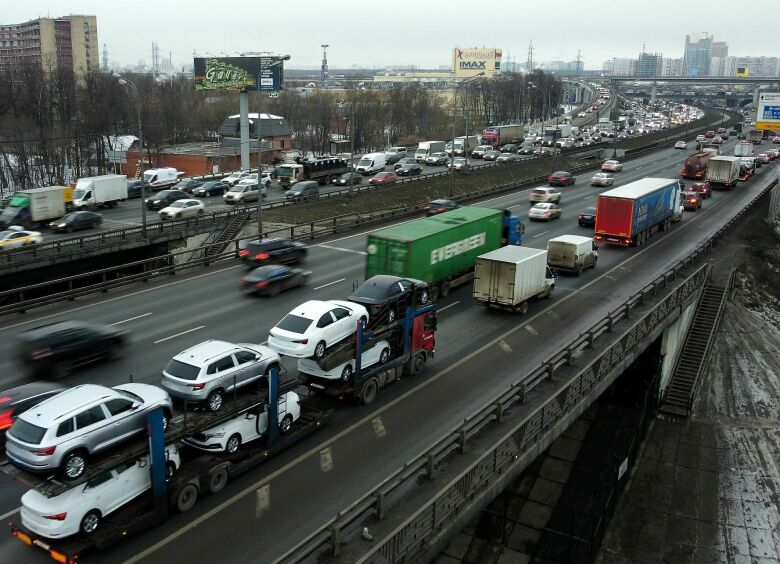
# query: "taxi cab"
[[15, 236]]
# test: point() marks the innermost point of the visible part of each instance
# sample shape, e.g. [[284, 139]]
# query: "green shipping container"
[[436, 247]]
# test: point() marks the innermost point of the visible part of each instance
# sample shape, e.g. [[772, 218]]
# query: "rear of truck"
[[628, 215], [508, 277]]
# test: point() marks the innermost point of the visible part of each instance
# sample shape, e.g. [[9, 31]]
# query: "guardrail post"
[[430, 467], [105, 279], [523, 393], [499, 411], [550, 367], [569, 356], [380, 505], [334, 540], [462, 441], [591, 338]]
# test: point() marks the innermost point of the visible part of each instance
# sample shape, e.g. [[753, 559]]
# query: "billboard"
[[239, 73], [468, 62], [743, 72], [768, 112]]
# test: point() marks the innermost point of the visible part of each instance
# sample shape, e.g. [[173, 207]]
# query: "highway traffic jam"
[[221, 404]]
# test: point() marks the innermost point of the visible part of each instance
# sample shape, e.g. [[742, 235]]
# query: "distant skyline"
[[422, 37]]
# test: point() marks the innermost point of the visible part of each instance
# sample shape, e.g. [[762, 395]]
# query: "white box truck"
[[574, 253], [100, 191], [510, 276], [465, 145], [426, 148], [37, 206], [371, 163], [161, 177], [743, 149], [723, 171]]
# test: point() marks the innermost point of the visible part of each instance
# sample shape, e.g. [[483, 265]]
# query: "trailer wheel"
[[445, 289], [521, 308], [186, 498], [218, 480], [368, 392]]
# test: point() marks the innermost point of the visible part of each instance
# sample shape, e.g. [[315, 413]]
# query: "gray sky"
[[367, 33]]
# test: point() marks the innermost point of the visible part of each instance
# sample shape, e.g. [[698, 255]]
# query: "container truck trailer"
[[441, 249], [628, 215], [502, 134], [37, 206], [723, 172]]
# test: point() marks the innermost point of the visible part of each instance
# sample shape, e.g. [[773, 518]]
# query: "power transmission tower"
[[155, 58], [579, 62], [324, 68], [529, 64], [105, 58]]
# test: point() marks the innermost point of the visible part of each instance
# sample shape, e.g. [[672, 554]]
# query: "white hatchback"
[[81, 509], [182, 209], [314, 326], [249, 425]]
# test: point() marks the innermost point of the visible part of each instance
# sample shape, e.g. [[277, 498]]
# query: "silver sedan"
[[602, 179]]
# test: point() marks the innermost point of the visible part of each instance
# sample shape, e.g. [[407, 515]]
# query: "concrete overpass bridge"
[[752, 83]]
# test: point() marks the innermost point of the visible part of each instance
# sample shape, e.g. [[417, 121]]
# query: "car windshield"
[[294, 323], [27, 432], [284, 172], [182, 370], [178, 204], [589, 210], [540, 206], [162, 194], [370, 291], [129, 395]]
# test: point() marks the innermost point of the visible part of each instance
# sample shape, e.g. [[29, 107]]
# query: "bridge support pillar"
[[243, 116], [653, 92], [755, 97]]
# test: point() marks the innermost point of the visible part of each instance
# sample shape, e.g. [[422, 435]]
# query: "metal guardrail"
[[28, 297], [412, 533]]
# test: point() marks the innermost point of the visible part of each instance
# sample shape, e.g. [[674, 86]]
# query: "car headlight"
[[61, 224], [214, 435]]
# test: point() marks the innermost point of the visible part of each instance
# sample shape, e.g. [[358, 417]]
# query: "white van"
[[571, 252], [159, 177], [371, 163]]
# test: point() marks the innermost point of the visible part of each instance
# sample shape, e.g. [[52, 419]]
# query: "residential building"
[[618, 67], [68, 42], [648, 65], [671, 67], [698, 54], [720, 49]]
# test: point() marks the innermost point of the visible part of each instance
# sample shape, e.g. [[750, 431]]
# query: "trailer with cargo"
[[100, 191], [426, 148], [441, 249], [571, 252], [321, 170], [723, 172], [509, 277], [37, 206], [695, 165], [499, 135], [630, 214], [197, 475]]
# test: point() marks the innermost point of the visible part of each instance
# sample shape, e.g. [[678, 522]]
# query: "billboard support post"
[[243, 105]]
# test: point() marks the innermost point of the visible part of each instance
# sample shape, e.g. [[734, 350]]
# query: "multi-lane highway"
[[478, 353]]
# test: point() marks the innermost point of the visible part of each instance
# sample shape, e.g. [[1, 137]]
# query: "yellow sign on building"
[[468, 62], [743, 72]]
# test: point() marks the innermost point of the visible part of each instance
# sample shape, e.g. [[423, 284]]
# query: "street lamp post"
[[454, 119], [276, 63], [125, 82]]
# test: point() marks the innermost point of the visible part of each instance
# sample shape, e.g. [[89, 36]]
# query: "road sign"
[[768, 112], [117, 157]]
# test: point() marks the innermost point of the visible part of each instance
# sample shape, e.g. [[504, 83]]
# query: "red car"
[[702, 188], [709, 135], [383, 178]]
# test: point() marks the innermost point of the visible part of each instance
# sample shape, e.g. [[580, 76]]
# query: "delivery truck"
[[321, 170], [755, 136], [743, 149], [507, 278], [628, 215], [100, 191], [723, 172], [695, 165], [426, 148], [157, 178], [441, 249], [465, 145], [502, 134], [36, 206], [574, 253]]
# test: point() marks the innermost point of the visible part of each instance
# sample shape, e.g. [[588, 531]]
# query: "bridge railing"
[[415, 531]]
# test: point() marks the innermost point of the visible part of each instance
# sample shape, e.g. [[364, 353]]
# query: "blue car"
[[211, 188]]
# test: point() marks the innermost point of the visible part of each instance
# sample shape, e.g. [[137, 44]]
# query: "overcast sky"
[[376, 34]]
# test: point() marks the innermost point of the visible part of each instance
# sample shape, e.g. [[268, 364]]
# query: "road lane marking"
[[379, 427], [7, 515], [504, 346], [139, 292], [262, 500], [447, 306], [540, 234], [179, 334], [342, 249], [326, 459], [330, 283], [589, 197], [132, 318], [531, 330]]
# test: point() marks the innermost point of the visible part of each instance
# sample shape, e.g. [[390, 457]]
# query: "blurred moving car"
[[412, 169], [544, 194], [348, 179], [243, 193], [165, 198], [435, 207], [587, 217], [383, 178], [271, 279], [491, 155], [544, 212], [211, 188], [681, 145], [459, 163], [560, 178], [233, 178], [611, 166], [20, 399], [507, 158], [602, 179], [437, 159], [701, 188], [188, 185], [75, 221], [691, 200], [404, 161], [303, 191], [273, 251], [15, 237], [54, 350], [134, 188], [182, 209]]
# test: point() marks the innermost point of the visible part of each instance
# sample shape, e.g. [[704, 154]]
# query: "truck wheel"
[[418, 364], [218, 480], [445, 289], [368, 392], [186, 498], [521, 308]]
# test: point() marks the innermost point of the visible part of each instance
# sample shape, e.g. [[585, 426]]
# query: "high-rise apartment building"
[[720, 49], [648, 65], [698, 54], [67, 42]]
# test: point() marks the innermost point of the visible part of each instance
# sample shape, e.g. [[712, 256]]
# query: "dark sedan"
[[134, 188], [587, 217], [491, 155], [404, 161], [560, 178], [165, 198], [211, 188], [273, 251], [75, 221], [54, 350], [188, 185], [386, 297], [18, 400], [435, 207], [348, 179], [271, 279], [409, 170]]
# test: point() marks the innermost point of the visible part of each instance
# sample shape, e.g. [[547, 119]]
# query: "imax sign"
[[473, 65]]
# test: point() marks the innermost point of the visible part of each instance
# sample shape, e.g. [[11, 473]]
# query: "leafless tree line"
[[56, 127]]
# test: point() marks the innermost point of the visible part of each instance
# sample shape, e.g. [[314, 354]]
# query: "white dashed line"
[[447, 306], [132, 318], [330, 283], [179, 334]]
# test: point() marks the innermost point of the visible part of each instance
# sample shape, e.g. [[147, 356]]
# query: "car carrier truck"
[[441, 249], [628, 215]]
